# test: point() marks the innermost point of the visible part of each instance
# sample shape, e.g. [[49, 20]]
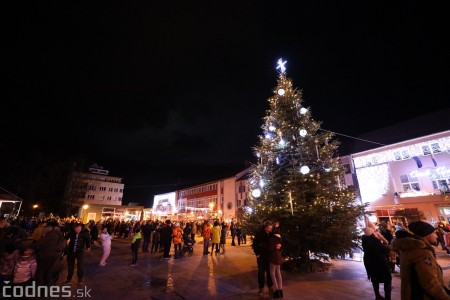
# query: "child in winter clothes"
[[275, 260], [105, 239], [25, 268], [8, 262]]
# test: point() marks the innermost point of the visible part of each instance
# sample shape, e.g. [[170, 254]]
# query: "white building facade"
[[413, 174]]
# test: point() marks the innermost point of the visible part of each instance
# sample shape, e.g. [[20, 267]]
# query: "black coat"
[[84, 241], [260, 244], [376, 259]]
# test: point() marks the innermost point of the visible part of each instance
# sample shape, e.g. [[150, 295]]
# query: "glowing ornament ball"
[[303, 132], [281, 92], [303, 110], [304, 170], [256, 193]]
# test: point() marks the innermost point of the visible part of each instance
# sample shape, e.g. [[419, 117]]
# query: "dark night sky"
[[175, 93]]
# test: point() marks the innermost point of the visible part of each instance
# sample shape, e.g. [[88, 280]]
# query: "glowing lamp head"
[[304, 170], [256, 193], [281, 92], [303, 132]]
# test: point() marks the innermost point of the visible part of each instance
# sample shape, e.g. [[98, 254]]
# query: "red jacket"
[[206, 232]]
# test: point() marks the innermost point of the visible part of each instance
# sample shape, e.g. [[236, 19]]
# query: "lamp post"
[[34, 208], [82, 212]]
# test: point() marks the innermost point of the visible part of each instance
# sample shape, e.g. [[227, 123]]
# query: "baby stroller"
[[188, 245]]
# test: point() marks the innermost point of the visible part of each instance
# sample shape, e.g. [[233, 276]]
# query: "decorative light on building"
[[373, 182]]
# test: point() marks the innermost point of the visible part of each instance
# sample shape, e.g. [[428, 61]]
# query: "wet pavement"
[[229, 276]]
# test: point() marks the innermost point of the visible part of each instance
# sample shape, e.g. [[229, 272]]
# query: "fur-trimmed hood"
[[407, 242]]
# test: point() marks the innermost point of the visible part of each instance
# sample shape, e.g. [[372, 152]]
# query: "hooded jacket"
[[421, 275]]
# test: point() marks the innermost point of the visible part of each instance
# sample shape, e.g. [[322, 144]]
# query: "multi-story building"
[[95, 187], [413, 174], [242, 188], [215, 200]]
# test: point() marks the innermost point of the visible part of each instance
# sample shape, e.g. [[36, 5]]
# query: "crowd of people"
[[43, 247], [411, 247], [35, 250]]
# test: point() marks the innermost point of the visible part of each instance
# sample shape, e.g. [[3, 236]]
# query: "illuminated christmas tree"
[[298, 180]]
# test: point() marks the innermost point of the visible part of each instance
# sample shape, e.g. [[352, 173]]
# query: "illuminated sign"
[[441, 172]]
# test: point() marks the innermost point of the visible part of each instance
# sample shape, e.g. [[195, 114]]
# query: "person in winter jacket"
[[215, 237], [25, 268], [166, 238], [48, 250], [177, 237], [206, 232], [421, 275], [79, 242], [105, 239], [260, 248], [275, 262], [135, 242], [376, 263], [223, 237], [156, 239]]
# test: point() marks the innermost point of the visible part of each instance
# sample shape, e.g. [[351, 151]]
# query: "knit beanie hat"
[[421, 228]]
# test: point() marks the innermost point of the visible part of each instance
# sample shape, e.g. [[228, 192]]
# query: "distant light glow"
[[278, 160], [303, 132], [281, 66], [258, 154], [303, 110], [282, 143], [268, 136], [261, 183], [249, 209], [256, 193], [272, 128], [281, 92], [304, 170], [327, 169]]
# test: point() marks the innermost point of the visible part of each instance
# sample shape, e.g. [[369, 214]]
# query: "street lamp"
[[34, 208]]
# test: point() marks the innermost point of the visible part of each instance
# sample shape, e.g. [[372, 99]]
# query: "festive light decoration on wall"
[[373, 182], [406, 152]]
